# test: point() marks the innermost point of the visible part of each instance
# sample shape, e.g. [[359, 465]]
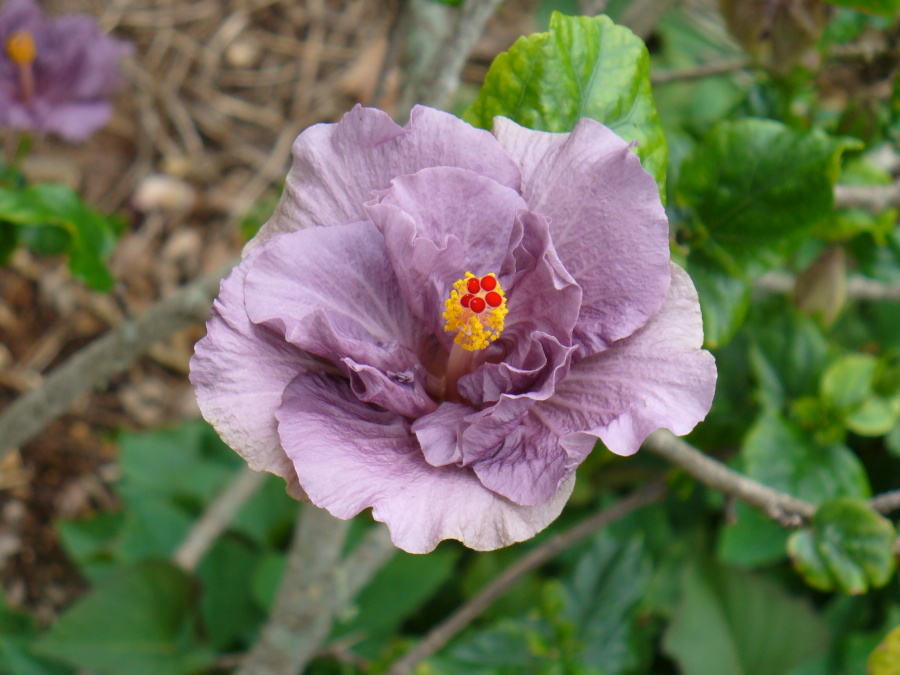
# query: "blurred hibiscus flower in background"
[[439, 323], [56, 74]]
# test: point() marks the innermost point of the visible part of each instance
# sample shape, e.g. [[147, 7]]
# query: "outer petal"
[[332, 292], [75, 121], [337, 166], [350, 456], [608, 225], [80, 63], [438, 224], [239, 372], [658, 377]]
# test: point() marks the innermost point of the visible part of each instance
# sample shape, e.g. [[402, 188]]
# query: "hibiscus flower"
[[439, 323], [56, 75]]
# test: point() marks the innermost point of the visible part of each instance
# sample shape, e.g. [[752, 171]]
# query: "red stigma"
[[472, 285], [489, 283], [493, 299], [465, 300], [476, 304]]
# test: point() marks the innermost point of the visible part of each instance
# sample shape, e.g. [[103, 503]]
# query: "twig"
[[886, 501], [777, 505], [858, 288], [106, 356], [394, 37], [441, 78], [447, 629], [304, 607], [700, 71], [217, 518], [874, 198]]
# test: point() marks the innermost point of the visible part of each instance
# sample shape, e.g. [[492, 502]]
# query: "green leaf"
[[847, 382], [789, 353], [758, 188], [92, 235], [753, 541], [847, 548], [9, 238], [583, 67], [379, 608], [227, 604], [509, 647], [885, 660], [884, 7], [724, 299], [848, 385], [779, 454], [188, 464], [18, 631], [609, 581], [91, 544], [733, 623], [136, 621]]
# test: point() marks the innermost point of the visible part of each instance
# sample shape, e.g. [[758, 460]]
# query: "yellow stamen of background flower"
[[476, 311], [21, 50]]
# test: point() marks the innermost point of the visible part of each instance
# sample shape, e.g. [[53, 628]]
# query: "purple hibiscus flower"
[[56, 75], [439, 323]]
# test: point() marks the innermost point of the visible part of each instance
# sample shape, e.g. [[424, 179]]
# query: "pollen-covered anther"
[[20, 48], [476, 311]]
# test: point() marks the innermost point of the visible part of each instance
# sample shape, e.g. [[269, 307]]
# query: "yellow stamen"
[[20, 48], [475, 330]]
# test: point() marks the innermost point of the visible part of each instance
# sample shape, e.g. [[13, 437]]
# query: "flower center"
[[22, 52], [476, 310]]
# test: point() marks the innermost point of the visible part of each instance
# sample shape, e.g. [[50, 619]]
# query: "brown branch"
[[784, 508], [886, 501], [874, 198], [103, 358], [437, 82], [700, 71], [441, 634], [858, 288], [304, 606], [216, 518], [315, 586]]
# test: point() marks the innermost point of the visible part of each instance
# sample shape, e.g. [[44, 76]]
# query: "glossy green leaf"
[[781, 455], [778, 453], [885, 660], [847, 548], [875, 417], [733, 623], [583, 67], [758, 188], [92, 236], [847, 383], [885, 7], [137, 621]]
